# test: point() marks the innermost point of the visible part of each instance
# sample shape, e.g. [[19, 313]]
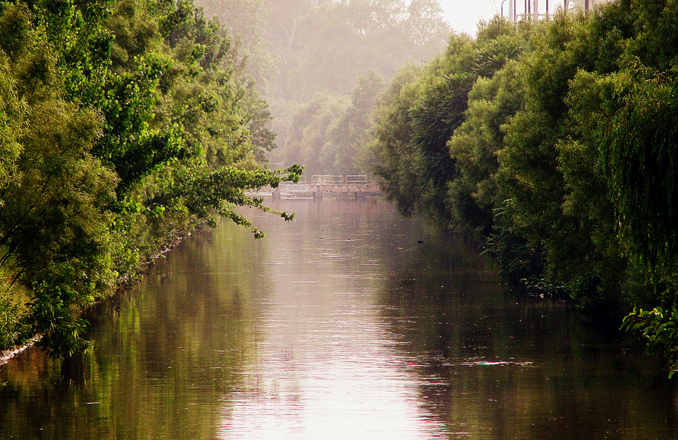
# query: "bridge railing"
[[356, 179], [336, 179], [327, 179]]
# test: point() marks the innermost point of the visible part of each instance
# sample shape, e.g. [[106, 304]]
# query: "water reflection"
[[494, 365], [349, 322], [327, 367], [164, 355]]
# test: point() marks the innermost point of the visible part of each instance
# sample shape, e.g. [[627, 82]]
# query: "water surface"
[[348, 323]]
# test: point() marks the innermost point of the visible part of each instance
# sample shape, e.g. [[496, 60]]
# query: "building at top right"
[[519, 10]]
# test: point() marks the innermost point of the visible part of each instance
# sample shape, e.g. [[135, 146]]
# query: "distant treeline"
[[124, 124], [322, 64], [555, 144]]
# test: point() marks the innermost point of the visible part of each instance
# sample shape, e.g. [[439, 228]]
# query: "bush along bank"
[[555, 145], [123, 125]]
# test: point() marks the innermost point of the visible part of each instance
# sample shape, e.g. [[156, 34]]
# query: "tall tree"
[[309, 130], [397, 161], [439, 107], [341, 152], [246, 24]]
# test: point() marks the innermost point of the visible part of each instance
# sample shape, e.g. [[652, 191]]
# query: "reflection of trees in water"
[[161, 364], [498, 365]]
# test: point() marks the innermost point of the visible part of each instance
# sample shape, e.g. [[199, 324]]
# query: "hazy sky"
[[463, 15]]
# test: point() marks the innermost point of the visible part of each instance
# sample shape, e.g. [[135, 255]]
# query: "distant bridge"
[[352, 185], [334, 179]]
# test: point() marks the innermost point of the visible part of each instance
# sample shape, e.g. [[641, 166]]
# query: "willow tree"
[[638, 148]]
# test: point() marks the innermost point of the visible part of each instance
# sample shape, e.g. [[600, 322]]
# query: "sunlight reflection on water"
[[326, 368], [347, 386]]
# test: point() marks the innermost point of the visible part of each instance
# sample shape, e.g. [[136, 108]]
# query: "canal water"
[[348, 323]]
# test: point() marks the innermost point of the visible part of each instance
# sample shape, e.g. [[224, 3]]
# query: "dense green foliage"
[[124, 124], [555, 145], [427, 106]]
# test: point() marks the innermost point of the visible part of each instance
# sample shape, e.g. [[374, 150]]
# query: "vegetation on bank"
[[555, 144], [123, 125]]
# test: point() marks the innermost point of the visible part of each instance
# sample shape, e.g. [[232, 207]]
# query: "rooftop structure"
[[538, 9]]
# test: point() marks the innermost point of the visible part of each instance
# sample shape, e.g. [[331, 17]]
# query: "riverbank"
[[124, 282]]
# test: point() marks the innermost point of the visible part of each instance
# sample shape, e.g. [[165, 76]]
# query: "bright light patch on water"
[[364, 396], [314, 378]]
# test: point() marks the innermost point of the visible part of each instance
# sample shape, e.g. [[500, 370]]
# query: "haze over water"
[[339, 325]]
